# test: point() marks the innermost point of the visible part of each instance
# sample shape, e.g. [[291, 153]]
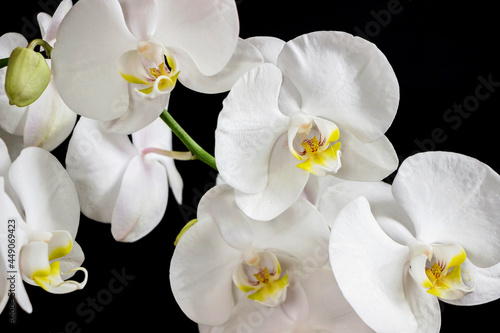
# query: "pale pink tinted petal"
[[46, 191], [96, 162], [142, 200]]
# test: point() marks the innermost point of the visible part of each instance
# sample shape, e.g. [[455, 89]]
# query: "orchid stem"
[[198, 152], [4, 62]]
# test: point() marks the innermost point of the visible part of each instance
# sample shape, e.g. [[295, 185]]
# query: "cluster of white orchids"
[[300, 228]]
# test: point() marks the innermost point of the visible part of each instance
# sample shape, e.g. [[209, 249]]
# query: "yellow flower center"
[[259, 275], [315, 143]]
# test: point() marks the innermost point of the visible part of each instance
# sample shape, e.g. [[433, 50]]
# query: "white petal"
[[218, 204], [452, 198], [49, 121], [285, 183], [391, 218], [201, 273], [157, 135], [15, 143], [300, 231], [343, 78], [46, 191], [369, 268], [49, 25], [247, 129], [269, 47], [96, 162], [141, 17], [207, 31], [142, 200], [328, 308], [141, 112], [245, 58], [90, 41], [366, 161]]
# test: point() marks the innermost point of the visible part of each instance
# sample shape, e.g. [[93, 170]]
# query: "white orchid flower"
[[432, 235], [47, 122], [117, 61], [314, 304], [40, 213], [122, 182], [322, 110], [226, 257]]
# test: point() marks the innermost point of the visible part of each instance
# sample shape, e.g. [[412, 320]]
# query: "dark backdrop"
[[439, 52]]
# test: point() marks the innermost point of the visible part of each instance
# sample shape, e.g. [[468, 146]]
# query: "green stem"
[[4, 62], [193, 147]]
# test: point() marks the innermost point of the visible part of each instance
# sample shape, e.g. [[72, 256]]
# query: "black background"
[[438, 52]]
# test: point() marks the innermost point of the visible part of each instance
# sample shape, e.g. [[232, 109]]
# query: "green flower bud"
[[28, 74]]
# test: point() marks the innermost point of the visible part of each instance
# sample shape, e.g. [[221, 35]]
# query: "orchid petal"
[[218, 204], [285, 183], [363, 161], [206, 31], [157, 135], [49, 25], [369, 266], [142, 200], [391, 218], [452, 198], [192, 287], [15, 143], [96, 162], [86, 58], [269, 47], [301, 221], [46, 191], [49, 121], [247, 129], [142, 112], [244, 58], [328, 308], [141, 17], [343, 78]]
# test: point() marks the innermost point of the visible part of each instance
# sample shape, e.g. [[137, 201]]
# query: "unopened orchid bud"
[[28, 74]]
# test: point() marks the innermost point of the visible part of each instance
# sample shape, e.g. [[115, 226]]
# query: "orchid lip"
[[315, 142], [438, 269], [151, 67], [259, 275]]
